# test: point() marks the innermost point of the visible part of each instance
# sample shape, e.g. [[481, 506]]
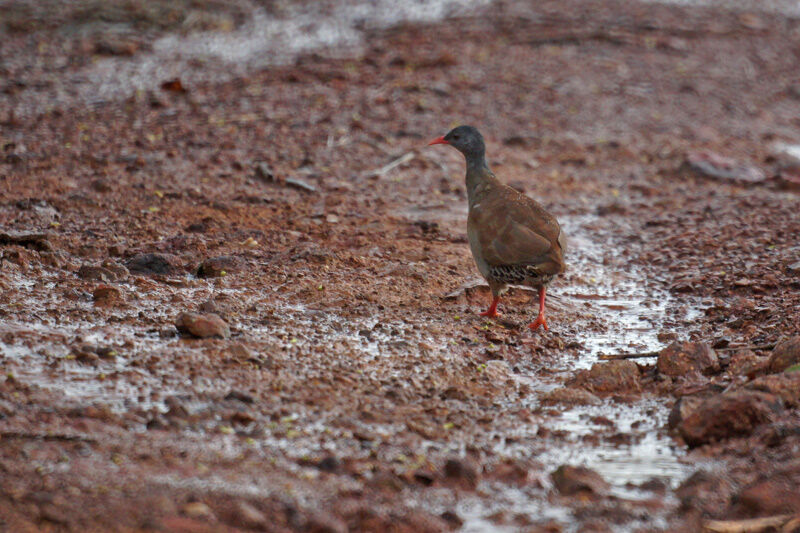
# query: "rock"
[[723, 168], [152, 263], [706, 492], [746, 362], [727, 415], [464, 471], [197, 510], [299, 184], [786, 386], [249, 517], [776, 494], [685, 406], [101, 185], [613, 376], [216, 267], [570, 396], [787, 155], [203, 326], [682, 358], [324, 522], [240, 396], [785, 354], [571, 480], [107, 295], [264, 172], [36, 241], [96, 273], [116, 45], [498, 371], [452, 519], [118, 270], [329, 463]]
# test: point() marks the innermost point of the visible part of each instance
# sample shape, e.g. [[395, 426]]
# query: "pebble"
[[202, 325], [732, 414], [197, 510], [613, 376], [785, 354], [570, 396], [572, 480], [250, 517], [107, 295], [152, 263], [682, 358], [216, 267]]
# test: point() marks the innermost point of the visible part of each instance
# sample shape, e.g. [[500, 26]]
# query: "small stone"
[[682, 358], [96, 273], [329, 464], [116, 45], [216, 267], [570, 396], [264, 172], [785, 354], [240, 352], [723, 168], [777, 494], [239, 396], [249, 517], [731, 414], [464, 471], [571, 480], [198, 510], [118, 270], [106, 295], [685, 406], [100, 185], [785, 385], [36, 241], [613, 376], [152, 263], [324, 522], [705, 492], [497, 370], [202, 326], [452, 518]]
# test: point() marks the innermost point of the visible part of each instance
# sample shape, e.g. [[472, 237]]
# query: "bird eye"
[[455, 137]]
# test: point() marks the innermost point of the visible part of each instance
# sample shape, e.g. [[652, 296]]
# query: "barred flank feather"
[[518, 275]]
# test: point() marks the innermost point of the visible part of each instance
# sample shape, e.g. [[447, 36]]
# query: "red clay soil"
[[345, 381]]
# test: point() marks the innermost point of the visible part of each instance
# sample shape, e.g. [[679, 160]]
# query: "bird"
[[513, 239]]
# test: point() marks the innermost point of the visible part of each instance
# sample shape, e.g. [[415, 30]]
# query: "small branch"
[[642, 355], [753, 525], [405, 158], [753, 347], [21, 435], [639, 355]]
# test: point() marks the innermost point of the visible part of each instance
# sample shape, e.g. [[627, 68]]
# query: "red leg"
[[492, 311], [540, 321]]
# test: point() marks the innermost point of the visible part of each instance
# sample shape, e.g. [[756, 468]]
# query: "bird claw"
[[490, 313], [540, 321]]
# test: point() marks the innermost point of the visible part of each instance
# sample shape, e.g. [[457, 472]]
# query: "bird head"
[[465, 139]]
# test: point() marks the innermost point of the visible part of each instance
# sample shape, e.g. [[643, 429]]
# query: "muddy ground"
[[348, 383]]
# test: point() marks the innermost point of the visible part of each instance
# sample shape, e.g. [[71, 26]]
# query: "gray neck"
[[478, 175]]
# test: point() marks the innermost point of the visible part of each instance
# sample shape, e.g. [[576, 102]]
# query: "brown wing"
[[515, 230]]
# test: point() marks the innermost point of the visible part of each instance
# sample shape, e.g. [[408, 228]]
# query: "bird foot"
[[491, 313], [540, 321]]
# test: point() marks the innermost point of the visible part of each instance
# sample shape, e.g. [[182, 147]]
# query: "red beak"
[[438, 140]]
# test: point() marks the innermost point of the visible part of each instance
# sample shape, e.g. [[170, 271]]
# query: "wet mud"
[[237, 292]]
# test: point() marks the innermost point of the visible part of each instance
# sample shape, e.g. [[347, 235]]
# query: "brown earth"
[[358, 390]]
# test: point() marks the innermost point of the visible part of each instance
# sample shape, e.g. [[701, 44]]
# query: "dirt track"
[[358, 389]]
